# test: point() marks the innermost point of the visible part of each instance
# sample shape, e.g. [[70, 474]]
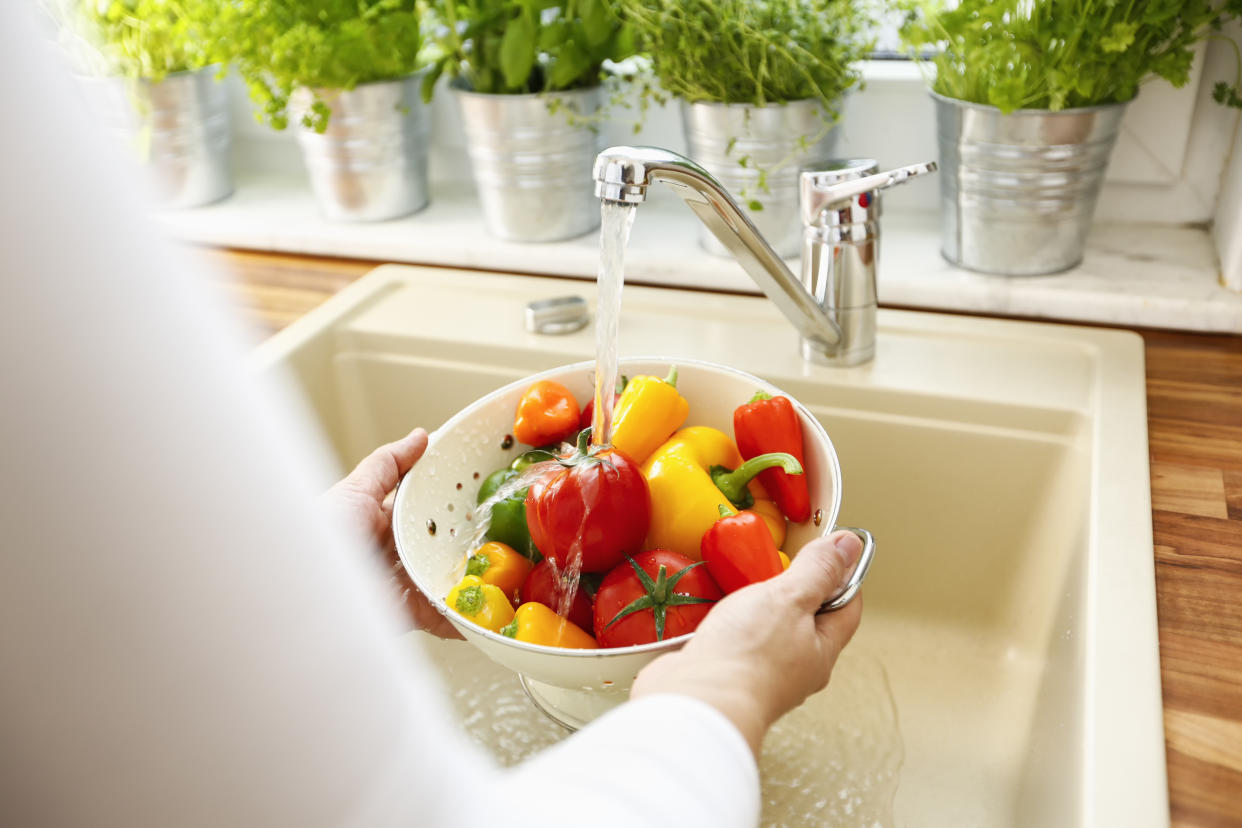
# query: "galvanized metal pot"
[[776, 138], [1018, 191], [181, 131], [532, 163], [370, 164]]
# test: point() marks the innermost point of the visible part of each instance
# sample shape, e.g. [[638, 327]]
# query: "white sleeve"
[[183, 641], [701, 768]]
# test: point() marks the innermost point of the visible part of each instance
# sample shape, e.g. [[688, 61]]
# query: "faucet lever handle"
[[833, 189]]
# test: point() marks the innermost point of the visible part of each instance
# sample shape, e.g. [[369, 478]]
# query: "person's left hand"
[[364, 502]]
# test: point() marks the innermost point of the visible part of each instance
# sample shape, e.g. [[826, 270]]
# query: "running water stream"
[[616, 221]]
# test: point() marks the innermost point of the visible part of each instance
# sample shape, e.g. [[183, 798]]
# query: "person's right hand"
[[762, 650]]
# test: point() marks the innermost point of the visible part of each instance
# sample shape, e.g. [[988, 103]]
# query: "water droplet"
[[819, 517], [469, 516], [450, 507], [476, 475], [507, 443], [459, 487], [431, 526], [452, 532]]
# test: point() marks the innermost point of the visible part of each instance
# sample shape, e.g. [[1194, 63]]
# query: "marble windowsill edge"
[[1150, 276]]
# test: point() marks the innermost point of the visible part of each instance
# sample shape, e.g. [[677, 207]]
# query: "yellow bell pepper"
[[784, 559], [535, 623], [480, 603], [690, 479], [649, 410], [500, 565]]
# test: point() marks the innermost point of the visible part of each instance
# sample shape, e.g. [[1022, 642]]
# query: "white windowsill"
[[1133, 275]]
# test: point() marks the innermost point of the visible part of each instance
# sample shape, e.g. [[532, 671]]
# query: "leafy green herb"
[[1059, 54], [147, 39], [525, 46], [281, 45], [752, 51]]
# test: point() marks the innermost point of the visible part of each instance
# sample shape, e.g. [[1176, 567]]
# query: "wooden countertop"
[[1194, 418]]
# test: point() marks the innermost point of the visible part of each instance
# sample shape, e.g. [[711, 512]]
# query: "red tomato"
[[674, 594], [544, 585], [595, 508]]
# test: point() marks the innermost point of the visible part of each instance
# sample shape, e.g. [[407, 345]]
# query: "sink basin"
[[1006, 671]]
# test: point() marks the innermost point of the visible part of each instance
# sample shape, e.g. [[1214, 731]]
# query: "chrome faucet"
[[833, 306]]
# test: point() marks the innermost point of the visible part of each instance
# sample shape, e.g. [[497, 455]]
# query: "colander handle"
[[852, 586]]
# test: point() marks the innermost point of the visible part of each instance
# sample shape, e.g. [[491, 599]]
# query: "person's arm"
[[184, 639]]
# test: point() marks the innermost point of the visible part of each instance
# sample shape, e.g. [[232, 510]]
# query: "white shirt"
[[183, 640]]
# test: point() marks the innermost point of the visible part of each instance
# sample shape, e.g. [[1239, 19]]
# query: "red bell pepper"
[[767, 424], [739, 550]]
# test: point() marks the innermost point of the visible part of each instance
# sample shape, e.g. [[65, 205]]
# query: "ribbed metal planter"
[[370, 164], [531, 163], [181, 132], [1018, 191], [775, 138]]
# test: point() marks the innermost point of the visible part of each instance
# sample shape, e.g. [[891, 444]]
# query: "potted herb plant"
[[760, 83], [156, 61], [346, 73], [1029, 97], [527, 78]]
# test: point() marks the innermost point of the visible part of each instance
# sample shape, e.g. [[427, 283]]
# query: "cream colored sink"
[[1006, 672]]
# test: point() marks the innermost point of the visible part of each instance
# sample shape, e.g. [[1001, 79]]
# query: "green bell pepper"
[[508, 523]]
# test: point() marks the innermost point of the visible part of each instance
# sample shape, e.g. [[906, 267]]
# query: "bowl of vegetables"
[[593, 560]]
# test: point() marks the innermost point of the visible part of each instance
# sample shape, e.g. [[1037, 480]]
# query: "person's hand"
[[363, 500], [762, 650]]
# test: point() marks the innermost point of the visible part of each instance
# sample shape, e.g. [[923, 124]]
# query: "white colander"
[[572, 686]]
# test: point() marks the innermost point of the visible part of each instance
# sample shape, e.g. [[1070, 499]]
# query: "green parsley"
[[1060, 54]]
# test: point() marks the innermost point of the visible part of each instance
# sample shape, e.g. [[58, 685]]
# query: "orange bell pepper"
[[546, 414], [770, 512]]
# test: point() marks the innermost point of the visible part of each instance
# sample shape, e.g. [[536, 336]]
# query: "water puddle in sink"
[[835, 761]]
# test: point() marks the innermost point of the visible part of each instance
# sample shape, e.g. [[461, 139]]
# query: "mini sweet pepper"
[[483, 604], [546, 413], [766, 424], [647, 412], [691, 476], [535, 623], [738, 550], [500, 565]]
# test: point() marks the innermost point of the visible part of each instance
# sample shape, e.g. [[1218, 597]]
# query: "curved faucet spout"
[[622, 174]]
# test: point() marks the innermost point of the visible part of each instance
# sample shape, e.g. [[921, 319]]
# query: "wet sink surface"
[[1006, 672]]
